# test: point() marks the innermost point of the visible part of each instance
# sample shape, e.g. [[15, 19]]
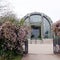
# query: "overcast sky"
[[49, 7]]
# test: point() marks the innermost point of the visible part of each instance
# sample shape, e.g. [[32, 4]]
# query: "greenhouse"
[[40, 25]]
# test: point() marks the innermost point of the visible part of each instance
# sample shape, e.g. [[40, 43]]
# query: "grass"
[[16, 58]]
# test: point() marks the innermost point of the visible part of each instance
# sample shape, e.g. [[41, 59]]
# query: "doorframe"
[[39, 27]]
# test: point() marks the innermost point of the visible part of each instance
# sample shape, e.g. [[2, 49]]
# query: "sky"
[[49, 7]]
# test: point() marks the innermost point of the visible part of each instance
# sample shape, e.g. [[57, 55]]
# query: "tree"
[[4, 7], [22, 22], [10, 16]]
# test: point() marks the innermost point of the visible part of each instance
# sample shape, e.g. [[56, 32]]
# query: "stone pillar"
[[42, 28], [51, 32]]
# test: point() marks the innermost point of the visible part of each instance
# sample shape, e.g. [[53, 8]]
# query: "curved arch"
[[41, 14], [47, 20], [38, 13]]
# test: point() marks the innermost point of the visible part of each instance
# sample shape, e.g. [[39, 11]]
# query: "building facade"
[[40, 25]]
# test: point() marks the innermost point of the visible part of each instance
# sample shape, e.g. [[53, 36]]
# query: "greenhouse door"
[[36, 32]]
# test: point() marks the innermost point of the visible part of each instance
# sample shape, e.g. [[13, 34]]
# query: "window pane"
[[46, 28], [35, 18]]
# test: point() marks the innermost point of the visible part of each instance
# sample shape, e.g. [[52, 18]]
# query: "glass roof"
[[35, 18]]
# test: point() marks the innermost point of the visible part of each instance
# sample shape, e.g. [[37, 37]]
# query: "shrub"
[[56, 28], [12, 38]]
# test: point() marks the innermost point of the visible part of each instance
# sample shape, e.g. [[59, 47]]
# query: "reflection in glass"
[[35, 18], [46, 28]]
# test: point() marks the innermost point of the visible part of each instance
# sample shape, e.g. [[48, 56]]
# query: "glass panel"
[[35, 18], [46, 28], [35, 33], [27, 22]]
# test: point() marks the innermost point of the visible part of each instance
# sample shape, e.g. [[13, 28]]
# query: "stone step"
[[48, 41]]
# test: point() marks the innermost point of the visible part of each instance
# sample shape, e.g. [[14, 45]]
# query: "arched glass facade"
[[47, 29], [35, 18], [40, 25]]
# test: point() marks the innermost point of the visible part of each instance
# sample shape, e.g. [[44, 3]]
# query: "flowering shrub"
[[12, 38], [56, 28]]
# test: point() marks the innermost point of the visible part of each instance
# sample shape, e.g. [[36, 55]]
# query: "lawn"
[[16, 58]]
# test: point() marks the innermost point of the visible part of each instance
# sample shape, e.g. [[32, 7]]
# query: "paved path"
[[42, 51], [41, 57]]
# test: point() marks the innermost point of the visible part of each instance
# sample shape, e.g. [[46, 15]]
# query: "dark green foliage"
[[22, 22]]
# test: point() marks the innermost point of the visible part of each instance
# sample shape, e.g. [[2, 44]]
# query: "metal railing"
[[56, 45]]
